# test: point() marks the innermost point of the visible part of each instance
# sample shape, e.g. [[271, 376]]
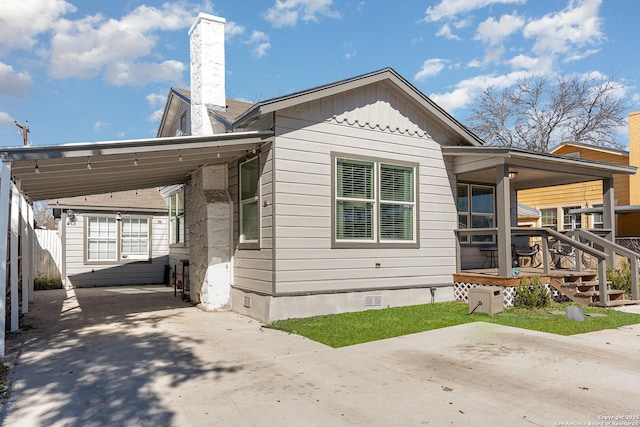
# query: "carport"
[[34, 173]]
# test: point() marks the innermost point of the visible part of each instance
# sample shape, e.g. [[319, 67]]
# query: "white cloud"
[[466, 92], [6, 121], [156, 116], [87, 47], [122, 73], [156, 99], [20, 24], [99, 125], [231, 29], [350, 51], [493, 32], [448, 9], [259, 42], [540, 64], [562, 32], [13, 83], [286, 13], [445, 31], [430, 68]]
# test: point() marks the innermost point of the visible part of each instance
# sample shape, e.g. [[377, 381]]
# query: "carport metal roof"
[[49, 172]]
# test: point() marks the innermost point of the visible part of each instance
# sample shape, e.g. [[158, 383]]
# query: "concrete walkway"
[[137, 356]]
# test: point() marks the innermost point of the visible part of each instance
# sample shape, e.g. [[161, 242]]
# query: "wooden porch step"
[[618, 302], [610, 292]]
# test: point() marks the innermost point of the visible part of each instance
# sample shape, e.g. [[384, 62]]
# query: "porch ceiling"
[[64, 172], [534, 170]]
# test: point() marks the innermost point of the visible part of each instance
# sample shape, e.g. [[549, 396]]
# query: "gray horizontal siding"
[[305, 260], [253, 268], [113, 274]]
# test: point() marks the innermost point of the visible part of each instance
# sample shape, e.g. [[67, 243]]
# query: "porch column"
[[503, 220], [608, 215], [5, 186], [15, 231]]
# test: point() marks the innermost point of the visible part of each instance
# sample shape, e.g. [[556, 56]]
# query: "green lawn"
[[339, 330]]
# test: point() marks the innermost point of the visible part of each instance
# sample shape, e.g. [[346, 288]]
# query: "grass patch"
[[339, 330]]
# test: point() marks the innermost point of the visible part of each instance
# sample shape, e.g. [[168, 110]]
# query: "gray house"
[[113, 239], [357, 194]]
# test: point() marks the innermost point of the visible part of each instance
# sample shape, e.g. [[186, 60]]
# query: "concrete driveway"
[[137, 356]]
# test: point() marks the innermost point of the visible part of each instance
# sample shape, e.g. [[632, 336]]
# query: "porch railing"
[[581, 240], [612, 249]]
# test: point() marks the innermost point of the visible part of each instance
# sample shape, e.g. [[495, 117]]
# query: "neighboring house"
[[357, 194], [558, 204], [117, 238]]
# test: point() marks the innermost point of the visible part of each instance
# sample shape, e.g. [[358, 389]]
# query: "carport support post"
[[15, 230], [503, 216], [5, 186]]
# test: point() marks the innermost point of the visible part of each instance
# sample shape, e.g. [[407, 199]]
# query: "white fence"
[[47, 254]]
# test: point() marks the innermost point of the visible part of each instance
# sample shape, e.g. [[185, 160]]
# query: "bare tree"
[[538, 112], [43, 216]]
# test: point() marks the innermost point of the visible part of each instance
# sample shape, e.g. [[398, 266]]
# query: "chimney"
[[207, 71]]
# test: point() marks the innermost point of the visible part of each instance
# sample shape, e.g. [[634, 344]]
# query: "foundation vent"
[[247, 302], [373, 301]]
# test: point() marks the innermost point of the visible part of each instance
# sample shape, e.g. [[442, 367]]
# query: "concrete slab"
[[137, 356]]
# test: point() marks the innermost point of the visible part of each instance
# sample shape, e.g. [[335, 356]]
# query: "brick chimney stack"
[[207, 71]]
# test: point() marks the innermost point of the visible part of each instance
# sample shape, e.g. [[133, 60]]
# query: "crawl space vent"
[[373, 301], [247, 302]]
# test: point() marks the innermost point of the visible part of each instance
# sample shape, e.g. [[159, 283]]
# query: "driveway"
[[138, 356]]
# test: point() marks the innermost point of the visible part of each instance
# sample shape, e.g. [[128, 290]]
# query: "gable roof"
[[177, 96], [589, 147], [386, 74]]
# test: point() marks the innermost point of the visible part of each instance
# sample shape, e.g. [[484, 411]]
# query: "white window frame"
[[543, 224], [376, 201], [565, 214], [244, 242], [177, 221], [119, 256]]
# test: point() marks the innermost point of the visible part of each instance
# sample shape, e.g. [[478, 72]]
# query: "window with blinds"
[[249, 201], [374, 201]]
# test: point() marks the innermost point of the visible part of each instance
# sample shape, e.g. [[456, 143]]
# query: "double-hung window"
[[476, 209], [375, 202], [570, 220], [176, 218], [597, 219], [549, 218], [250, 201], [113, 240]]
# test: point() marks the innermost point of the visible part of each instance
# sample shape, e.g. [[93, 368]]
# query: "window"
[[111, 240], [183, 124], [476, 209], [549, 218], [569, 219], [176, 218], [102, 239], [597, 220], [249, 201], [135, 238], [374, 202]]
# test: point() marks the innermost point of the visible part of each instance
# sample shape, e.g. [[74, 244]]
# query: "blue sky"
[[82, 70]]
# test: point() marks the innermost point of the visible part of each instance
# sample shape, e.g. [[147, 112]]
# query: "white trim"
[[15, 230], [5, 186]]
